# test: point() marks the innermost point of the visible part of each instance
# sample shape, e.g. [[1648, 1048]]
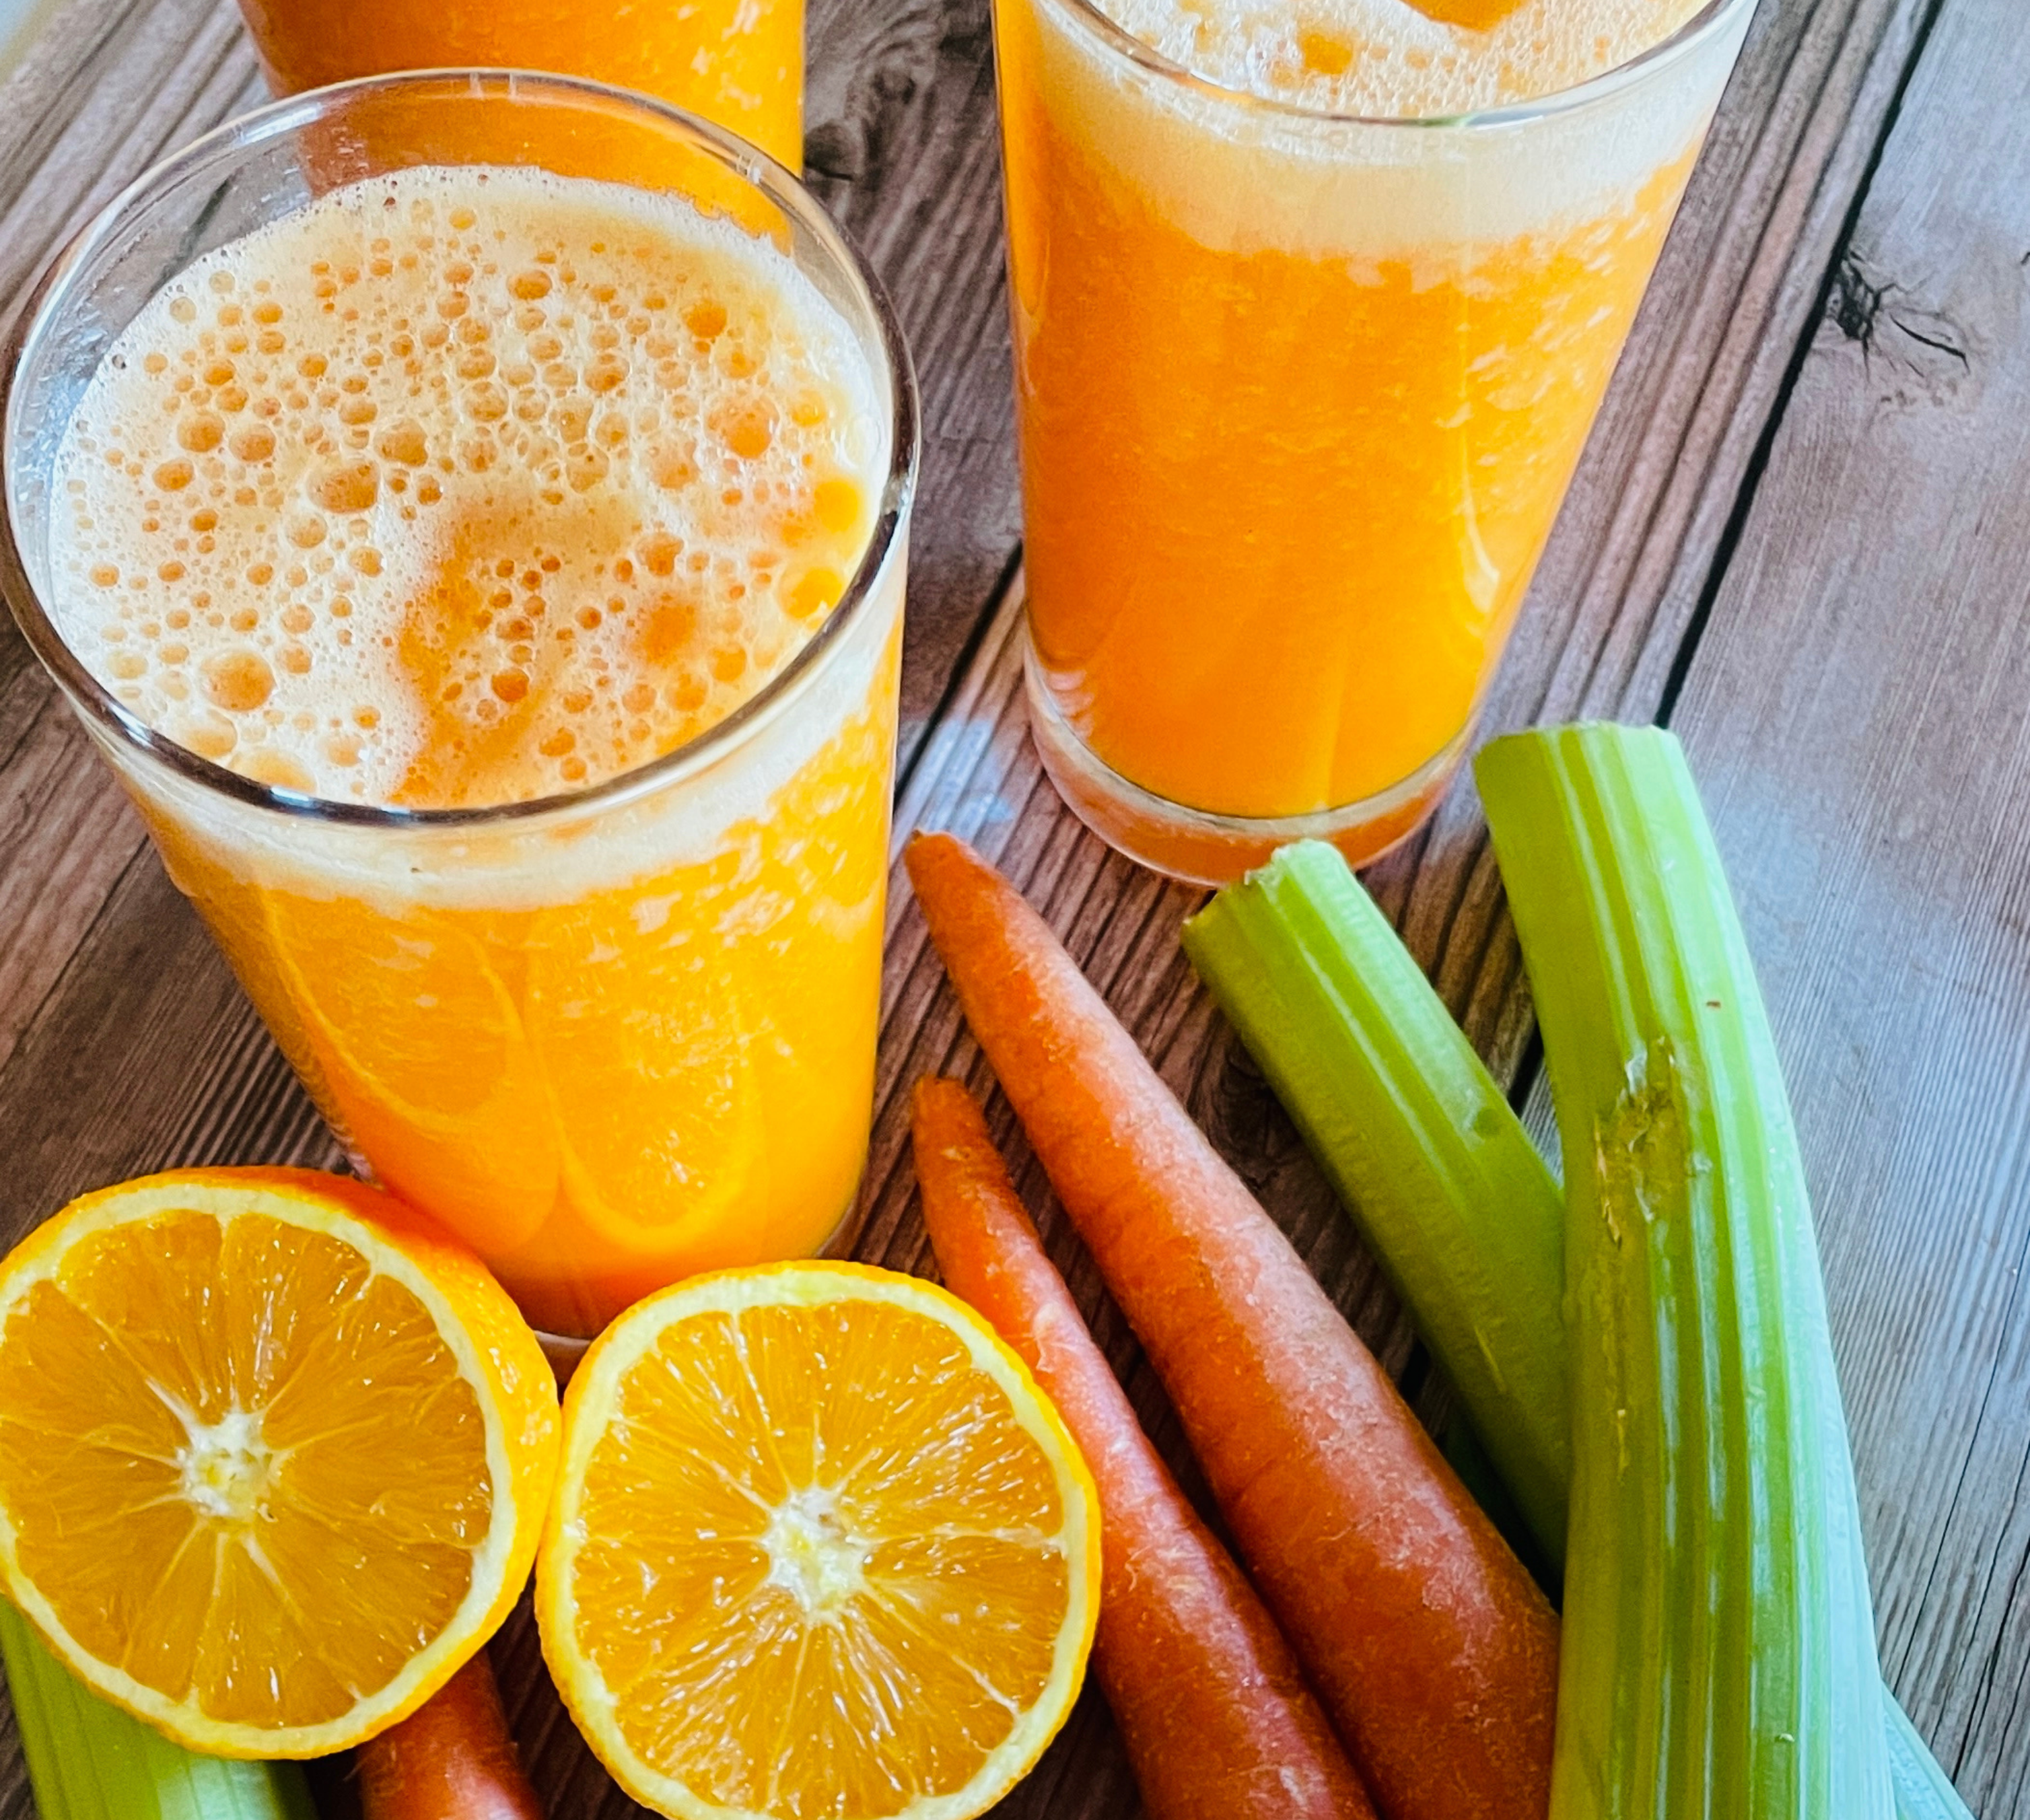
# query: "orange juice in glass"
[[739, 63], [1313, 308], [487, 583]]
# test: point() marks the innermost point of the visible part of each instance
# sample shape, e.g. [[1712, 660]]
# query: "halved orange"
[[273, 1459], [820, 1548]]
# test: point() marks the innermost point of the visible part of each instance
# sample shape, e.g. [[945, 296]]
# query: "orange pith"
[[820, 1548], [271, 1465]]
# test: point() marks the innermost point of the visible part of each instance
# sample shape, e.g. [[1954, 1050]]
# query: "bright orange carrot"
[[450, 1759], [1218, 1723], [1432, 1648]]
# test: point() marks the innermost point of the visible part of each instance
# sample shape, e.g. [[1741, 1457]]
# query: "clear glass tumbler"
[[609, 1037], [739, 63], [1299, 395]]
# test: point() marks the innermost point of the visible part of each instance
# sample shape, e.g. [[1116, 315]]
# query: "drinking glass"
[[608, 1037], [739, 63], [1299, 395]]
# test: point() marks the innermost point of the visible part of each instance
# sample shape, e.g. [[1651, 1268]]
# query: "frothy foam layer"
[[464, 487], [1389, 58]]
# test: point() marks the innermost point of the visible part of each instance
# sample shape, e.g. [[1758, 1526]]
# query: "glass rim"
[[777, 184], [1711, 19]]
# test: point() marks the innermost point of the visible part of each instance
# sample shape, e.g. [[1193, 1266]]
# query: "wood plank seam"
[[906, 762]]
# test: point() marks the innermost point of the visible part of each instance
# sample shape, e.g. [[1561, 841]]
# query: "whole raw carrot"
[[1432, 1648], [1218, 1723], [450, 1759]]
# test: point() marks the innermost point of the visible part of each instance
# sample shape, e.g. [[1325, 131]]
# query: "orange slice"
[[636, 1017], [273, 1461], [418, 1045], [820, 1548]]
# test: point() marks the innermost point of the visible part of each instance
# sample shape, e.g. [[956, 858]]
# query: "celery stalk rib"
[[1417, 1139], [87, 1760], [1718, 1655]]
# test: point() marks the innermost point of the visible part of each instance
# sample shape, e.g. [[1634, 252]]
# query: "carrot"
[[450, 1759], [1432, 1649], [1218, 1723]]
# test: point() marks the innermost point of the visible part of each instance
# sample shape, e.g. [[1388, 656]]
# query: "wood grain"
[[1858, 714], [902, 147], [123, 1045]]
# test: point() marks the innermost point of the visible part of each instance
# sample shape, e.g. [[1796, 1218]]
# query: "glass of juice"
[[1313, 308], [740, 63], [486, 579]]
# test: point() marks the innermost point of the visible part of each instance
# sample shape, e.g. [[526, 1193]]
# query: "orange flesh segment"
[[182, 1414], [787, 1504]]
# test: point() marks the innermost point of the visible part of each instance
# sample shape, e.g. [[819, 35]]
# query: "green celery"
[[87, 1760], [1416, 1138], [1923, 1791], [1348, 1061], [1718, 1655]]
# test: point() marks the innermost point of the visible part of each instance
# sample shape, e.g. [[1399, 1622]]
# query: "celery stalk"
[[87, 1760], [1719, 1654], [1418, 1141], [1923, 1791], [1339, 1060]]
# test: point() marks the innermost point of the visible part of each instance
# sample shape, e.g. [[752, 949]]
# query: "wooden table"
[[1801, 537]]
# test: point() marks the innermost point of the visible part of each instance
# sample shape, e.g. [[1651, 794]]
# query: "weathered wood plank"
[[904, 150], [1858, 713], [901, 114], [69, 839], [162, 75]]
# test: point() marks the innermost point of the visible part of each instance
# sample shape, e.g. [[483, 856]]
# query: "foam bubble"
[[1392, 58], [1307, 179], [464, 487]]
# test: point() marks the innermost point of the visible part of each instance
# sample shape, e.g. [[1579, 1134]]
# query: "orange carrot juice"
[[1300, 391], [479, 538], [739, 63]]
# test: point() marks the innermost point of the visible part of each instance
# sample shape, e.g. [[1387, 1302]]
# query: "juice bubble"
[[1392, 58], [463, 487]]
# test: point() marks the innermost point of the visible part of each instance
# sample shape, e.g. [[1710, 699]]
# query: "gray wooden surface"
[[1799, 534]]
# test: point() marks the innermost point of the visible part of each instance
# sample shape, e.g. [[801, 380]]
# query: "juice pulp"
[[464, 488], [739, 63], [1300, 397]]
